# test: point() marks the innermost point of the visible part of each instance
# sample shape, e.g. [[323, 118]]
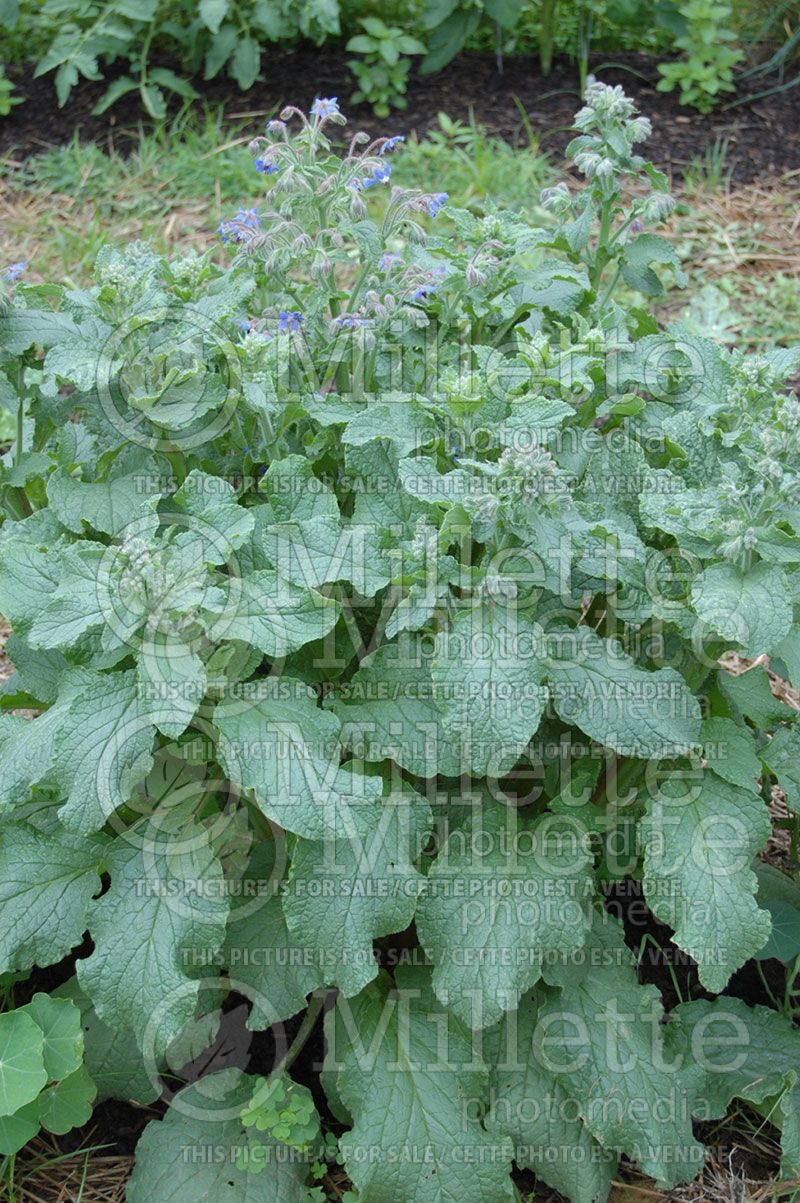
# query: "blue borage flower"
[[350, 321], [289, 321], [325, 107], [390, 144], [380, 175], [264, 165], [434, 201], [236, 229], [428, 284], [388, 260], [250, 330], [15, 271]]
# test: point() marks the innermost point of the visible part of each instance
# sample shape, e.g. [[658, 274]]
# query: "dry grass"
[[752, 230], [745, 242], [43, 1175], [31, 222]]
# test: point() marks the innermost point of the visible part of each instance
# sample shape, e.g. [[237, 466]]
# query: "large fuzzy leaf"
[[165, 906], [404, 1069], [47, 882], [504, 894], [173, 1161], [284, 747], [700, 836]]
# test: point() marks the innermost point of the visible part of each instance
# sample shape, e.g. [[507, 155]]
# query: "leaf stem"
[[318, 1000]]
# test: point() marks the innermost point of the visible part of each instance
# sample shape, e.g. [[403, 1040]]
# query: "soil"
[[763, 132]]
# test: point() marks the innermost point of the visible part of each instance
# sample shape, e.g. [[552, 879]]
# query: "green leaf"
[[340, 896], [23, 328], [504, 894], [272, 614], [84, 599], [750, 694], [17, 1129], [360, 44], [553, 285], [387, 711], [47, 882], [112, 1057], [319, 550], [40, 673], [617, 475], [114, 92], [22, 1071], [788, 650], [782, 757], [776, 546], [448, 38], [210, 521], [153, 100], [284, 747], [598, 688], [533, 416], [267, 17], [102, 751], [380, 502], [774, 884], [729, 749], [529, 1103], [67, 1104], [603, 1041], [172, 1156], [294, 492], [751, 609], [9, 11], [784, 940], [60, 1021], [505, 12], [28, 576], [165, 904], [640, 253], [29, 747], [398, 417], [265, 964], [700, 836], [171, 681], [487, 672], [108, 507], [246, 63], [221, 48], [374, 26], [750, 1053], [415, 1123], [169, 79]]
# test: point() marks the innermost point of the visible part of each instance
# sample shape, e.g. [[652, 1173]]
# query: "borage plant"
[[370, 593]]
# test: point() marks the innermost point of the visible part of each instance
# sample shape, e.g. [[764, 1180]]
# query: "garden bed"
[[762, 132]]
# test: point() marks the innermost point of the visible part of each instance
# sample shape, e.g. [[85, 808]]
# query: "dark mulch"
[[764, 134]]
